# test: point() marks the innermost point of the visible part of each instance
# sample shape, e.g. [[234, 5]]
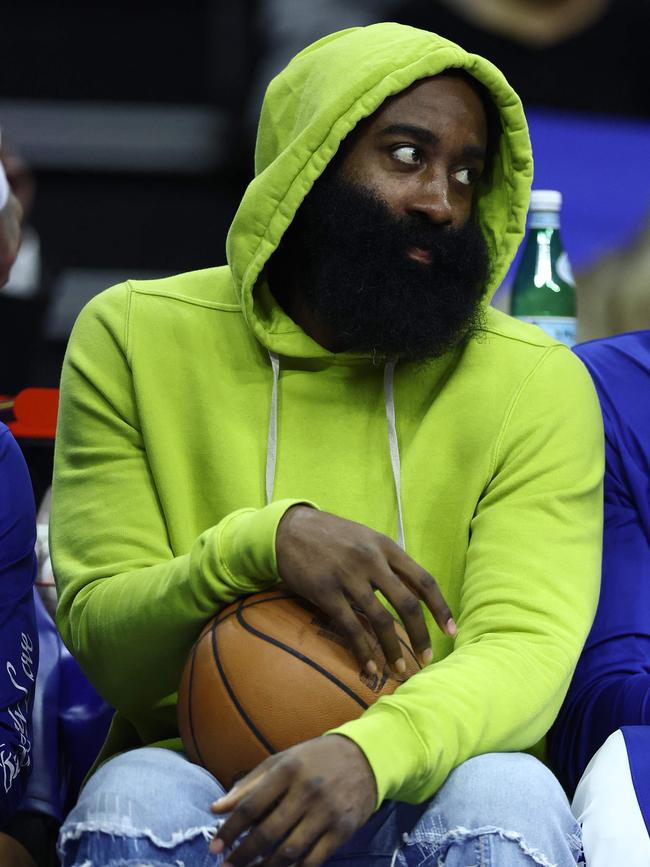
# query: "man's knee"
[[498, 786], [146, 801]]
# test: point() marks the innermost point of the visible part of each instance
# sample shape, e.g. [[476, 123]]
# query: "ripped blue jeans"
[[150, 807]]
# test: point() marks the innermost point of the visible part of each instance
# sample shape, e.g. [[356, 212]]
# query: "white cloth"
[[605, 804], [4, 188]]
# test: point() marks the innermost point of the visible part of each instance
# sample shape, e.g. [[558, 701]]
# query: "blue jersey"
[[18, 634], [611, 686]]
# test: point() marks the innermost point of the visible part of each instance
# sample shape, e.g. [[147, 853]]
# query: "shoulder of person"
[[210, 287], [11, 456], [514, 357], [517, 347]]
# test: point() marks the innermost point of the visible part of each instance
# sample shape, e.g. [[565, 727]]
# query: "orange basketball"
[[268, 672]]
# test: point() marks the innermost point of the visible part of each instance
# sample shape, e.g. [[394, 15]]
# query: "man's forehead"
[[452, 94], [428, 95]]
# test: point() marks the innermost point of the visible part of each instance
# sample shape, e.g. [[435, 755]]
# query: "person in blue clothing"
[[18, 637], [601, 740]]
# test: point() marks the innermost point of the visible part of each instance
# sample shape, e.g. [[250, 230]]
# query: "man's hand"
[[336, 564], [298, 806]]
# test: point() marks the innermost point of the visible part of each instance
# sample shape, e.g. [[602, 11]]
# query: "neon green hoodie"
[[166, 446]]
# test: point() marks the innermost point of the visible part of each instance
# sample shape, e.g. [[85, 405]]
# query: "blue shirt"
[[611, 685], [18, 634]]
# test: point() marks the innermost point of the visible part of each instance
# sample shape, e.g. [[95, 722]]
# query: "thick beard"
[[346, 253]]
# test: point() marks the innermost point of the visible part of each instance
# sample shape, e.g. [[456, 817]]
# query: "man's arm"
[[528, 598], [129, 609], [611, 685], [18, 633]]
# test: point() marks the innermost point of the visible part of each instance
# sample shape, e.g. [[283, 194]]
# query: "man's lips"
[[419, 254]]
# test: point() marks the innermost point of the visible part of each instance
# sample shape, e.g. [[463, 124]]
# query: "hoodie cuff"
[[394, 750], [247, 545]]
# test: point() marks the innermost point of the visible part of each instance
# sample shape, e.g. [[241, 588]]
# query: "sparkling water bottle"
[[543, 291]]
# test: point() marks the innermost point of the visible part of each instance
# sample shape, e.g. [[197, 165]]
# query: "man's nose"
[[432, 201]]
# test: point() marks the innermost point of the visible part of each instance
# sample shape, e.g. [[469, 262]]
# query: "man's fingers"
[[343, 615], [229, 801], [409, 609], [249, 809], [264, 838], [383, 625], [325, 847], [300, 841], [426, 587]]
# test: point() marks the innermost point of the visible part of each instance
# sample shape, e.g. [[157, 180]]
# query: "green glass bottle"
[[543, 292]]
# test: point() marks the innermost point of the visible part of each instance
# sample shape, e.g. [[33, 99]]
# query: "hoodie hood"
[[311, 106]]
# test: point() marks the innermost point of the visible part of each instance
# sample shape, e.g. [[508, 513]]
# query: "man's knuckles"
[[382, 620], [409, 607]]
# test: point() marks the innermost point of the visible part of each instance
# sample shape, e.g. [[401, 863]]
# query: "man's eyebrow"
[[419, 133], [425, 136]]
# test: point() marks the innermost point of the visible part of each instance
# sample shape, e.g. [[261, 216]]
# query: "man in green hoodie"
[[339, 408]]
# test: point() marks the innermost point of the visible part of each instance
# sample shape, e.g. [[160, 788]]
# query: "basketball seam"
[[253, 604], [189, 707], [302, 658], [251, 725]]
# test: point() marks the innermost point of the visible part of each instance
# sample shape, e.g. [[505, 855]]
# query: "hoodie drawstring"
[[389, 403], [393, 445], [272, 440]]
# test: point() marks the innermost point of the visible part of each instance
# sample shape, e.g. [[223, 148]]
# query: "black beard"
[[346, 254]]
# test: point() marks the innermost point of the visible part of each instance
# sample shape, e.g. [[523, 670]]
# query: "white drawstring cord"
[[393, 444], [272, 440], [389, 400]]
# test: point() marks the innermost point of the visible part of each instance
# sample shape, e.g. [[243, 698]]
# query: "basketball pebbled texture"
[[270, 671]]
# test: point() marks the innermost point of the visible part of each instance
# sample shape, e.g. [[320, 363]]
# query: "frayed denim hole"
[[435, 853], [102, 848], [430, 831]]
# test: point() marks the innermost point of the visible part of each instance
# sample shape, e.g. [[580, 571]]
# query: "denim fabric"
[[150, 807]]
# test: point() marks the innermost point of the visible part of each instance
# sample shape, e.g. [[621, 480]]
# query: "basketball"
[[270, 671]]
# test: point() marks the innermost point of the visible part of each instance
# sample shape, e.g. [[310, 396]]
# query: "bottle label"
[[562, 328]]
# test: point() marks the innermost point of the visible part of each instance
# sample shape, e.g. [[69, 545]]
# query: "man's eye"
[[465, 176], [407, 154]]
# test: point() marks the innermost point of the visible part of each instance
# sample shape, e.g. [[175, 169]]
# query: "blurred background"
[[128, 131]]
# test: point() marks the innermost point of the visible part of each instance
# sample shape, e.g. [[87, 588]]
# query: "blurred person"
[[601, 740], [346, 357], [576, 55], [69, 724], [18, 638], [614, 292], [11, 214], [22, 298]]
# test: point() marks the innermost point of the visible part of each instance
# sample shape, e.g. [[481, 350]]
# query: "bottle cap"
[[545, 200]]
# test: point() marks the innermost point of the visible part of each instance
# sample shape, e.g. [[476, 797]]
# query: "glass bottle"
[[543, 291]]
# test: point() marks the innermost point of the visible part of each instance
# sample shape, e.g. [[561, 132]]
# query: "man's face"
[[422, 153], [384, 252]]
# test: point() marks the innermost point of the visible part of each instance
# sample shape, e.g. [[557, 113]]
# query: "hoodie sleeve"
[[18, 634], [130, 608], [528, 599]]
